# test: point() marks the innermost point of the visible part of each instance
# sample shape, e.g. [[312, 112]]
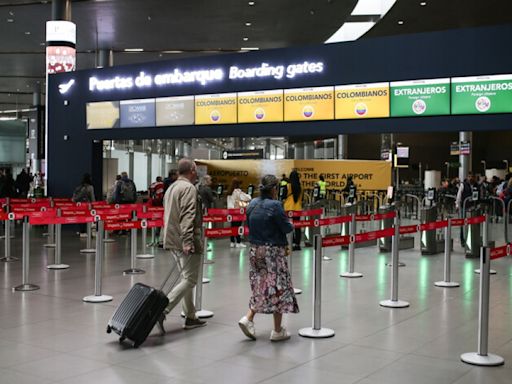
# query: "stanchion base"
[[206, 280], [204, 314], [491, 271], [446, 284], [57, 266], [400, 264], [394, 304], [206, 261], [325, 258], [145, 256], [321, 333], [97, 299], [88, 250], [109, 241], [351, 274], [297, 291], [134, 271], [476, 359], [8, 259], [26, 287], [49, 245]]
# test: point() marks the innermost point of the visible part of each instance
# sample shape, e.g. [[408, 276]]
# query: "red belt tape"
[[310, 212], [42, 220], [500, 252], [225, 232], [303, 223], [225, 212], [456, 222], [368, 236], [150, 215], [433, 225], [335, 241], [155, 223], [408, 229], [383, 216], [124, 216], [334, 220], [109, 226], [475, 220]]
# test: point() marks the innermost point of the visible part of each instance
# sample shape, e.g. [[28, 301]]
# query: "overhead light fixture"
[[423, 3], [10, 20], [172, 51], [248, 24], [246, 38], [400, 22], [249, 49], [351, 31], [251, 3], [27, 33], [134, 49]]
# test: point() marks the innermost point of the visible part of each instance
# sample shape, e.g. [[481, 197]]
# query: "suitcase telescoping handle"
[[177, 256]]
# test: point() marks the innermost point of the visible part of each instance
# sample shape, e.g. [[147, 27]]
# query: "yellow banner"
[[260, 106], [366, 174], [362, 101], [309, 104], [215, 109]]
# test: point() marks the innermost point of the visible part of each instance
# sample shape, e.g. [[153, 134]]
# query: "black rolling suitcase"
[[139, 311]]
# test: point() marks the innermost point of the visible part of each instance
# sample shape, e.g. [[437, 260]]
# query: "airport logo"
[[215, 116], [259, 113], [361, 109], [308, 111], [64, 88], [419, 107], [483, 104]]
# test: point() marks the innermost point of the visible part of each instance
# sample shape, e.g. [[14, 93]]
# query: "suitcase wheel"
[[109, 330], [136, 345], [122, 338]]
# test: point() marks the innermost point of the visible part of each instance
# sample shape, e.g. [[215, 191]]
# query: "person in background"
[[346, 191], [465, 191], [322, 187], [283, 187], [7, 188], [84, 193], [111, 191], [170, 179], [237, 199], [183, 218], [271, 285], [22, 183], [293, 202], [206, 192], [126, 191], [156, 192]]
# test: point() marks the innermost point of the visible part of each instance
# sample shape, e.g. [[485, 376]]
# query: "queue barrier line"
[[502, 251]]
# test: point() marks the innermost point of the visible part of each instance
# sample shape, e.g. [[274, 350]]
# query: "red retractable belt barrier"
[[499, 252], [364, 218], [214, 219], [61, 199], [4, 216], [154, 209], [456, 222], [122, 225], [334, 220], [23, 210], [31, 205], [45, 220], [304, 223], [75, 212], [383, 216], [226, 232], [103, 206], [155, 223], [118, 211], [310, 212], [150, 215], [475, 220], [333, 241], [434, 225], [368, 236], [225, 212], [118, 217], [404, 230]]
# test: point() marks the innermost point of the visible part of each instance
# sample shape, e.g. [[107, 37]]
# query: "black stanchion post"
[[51, 231], [25, 285], [482, 357], [289, 239], [316, 331], [98, 269], [7, 245], [351, 250], [133, 250], [88, 247], [447, 282], [395, 244], [58, 247]]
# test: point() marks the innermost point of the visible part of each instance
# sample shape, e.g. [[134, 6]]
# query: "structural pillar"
[[342, 147], [61, 10], [298, 151], [268, 148], [131, 160], [105, 58], [238, 143], [465, 160], [309, 150]]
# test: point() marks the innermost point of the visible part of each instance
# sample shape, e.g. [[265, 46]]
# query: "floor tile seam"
[[24, 373], [34, 360]]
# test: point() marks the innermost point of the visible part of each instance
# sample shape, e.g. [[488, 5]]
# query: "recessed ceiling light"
[[248, 24], [249, 49], [400, 22], [172, 51], [423, 3], [27, 33], [42, 44], [10, 20], [246, 38], [251, 3], [134, 50]]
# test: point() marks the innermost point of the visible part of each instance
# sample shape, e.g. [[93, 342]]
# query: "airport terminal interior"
[[387, 126]]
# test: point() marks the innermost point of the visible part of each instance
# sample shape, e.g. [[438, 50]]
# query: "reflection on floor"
[[51, 336]]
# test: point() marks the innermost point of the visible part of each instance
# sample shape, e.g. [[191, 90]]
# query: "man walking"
[[183, 221]]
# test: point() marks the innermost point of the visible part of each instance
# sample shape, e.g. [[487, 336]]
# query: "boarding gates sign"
[[420, 97], [482, 94], [367, 174]]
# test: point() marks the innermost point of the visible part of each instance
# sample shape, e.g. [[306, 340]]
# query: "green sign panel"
[[482, 94], [420, 97]]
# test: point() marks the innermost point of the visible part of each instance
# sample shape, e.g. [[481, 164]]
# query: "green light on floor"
[[242, 262], [469, 271], [343, 261], [382, 271], [423, 283], [307, 261]]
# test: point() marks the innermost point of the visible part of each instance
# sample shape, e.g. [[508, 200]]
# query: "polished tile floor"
[[51, 336]]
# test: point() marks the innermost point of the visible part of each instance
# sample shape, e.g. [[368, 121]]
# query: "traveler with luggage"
[[271, 285], [126, 191]]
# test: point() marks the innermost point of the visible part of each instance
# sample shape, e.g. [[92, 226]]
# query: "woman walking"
[[271, 285], [293, 202]]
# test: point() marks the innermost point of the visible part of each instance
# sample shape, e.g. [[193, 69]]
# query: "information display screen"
[[174, 111], [103, 114], [137, 113], [309, 104], [360, 101], [260, 106], [420, 97], [482, 94], [216, 109]]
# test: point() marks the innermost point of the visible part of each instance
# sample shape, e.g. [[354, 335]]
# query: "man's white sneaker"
[[279, 336], [247, 327], [241, 245], [232, 245]]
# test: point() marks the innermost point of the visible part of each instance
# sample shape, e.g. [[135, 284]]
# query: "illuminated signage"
[[216, 109], [260, 106], [362, 101], [103, 114], [309, 104], [203, 77]]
